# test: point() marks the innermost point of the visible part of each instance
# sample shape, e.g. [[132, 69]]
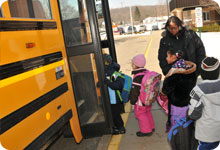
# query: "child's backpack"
[[150, 86], [182, 135], [162, 101], [124, 95]]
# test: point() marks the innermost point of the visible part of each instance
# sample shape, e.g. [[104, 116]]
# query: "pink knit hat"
[[139, 60]]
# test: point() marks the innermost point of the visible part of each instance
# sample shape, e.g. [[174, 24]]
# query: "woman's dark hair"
[[176, 52], [175, 20]]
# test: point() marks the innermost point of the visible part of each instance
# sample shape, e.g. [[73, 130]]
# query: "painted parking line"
[[148, 47], [116, 139]]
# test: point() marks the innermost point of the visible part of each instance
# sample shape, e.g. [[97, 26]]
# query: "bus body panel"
[[13, 44], [37, 100]]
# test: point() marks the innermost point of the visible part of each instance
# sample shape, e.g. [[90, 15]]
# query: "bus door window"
[[75, 22], [86, 92], [100, 18], [30, 9], [83, 68]]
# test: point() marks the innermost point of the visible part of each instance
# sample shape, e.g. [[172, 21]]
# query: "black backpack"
[[182, 135]]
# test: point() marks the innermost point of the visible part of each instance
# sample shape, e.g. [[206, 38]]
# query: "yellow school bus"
[[52, 71], [36, 94]]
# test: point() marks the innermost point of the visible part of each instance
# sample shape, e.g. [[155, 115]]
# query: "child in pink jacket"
[[142, 112]]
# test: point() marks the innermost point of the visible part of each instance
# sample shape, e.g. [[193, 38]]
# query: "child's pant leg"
[[150, 116], [116, 114], [207, 146], [145, 123]]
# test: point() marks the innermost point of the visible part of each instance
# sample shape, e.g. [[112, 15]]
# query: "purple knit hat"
[[139, 60]]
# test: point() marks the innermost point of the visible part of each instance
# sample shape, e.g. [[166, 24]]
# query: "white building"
[[158, 21]]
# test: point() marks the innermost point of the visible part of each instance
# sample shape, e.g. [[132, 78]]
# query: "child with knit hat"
[[142, 112], [205, 105]]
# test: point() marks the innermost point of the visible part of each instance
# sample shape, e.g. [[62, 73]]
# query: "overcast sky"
[[124, 3]]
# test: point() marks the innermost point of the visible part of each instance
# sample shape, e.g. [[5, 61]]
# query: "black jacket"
[[178, 87], [135, 91], [116, 84], [187, 41]]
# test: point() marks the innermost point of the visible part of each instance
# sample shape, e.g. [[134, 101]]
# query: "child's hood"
[[211, 90], [110, 69]]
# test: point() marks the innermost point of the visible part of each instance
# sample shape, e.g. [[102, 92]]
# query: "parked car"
[[121, 30], [161, 25], [149, 27], [128, 29], [141, 28], [155, 27]]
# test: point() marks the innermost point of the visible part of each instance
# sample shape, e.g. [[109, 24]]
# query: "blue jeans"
[[207, 146]]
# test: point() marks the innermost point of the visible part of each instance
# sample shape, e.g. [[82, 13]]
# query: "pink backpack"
[[150, 86]]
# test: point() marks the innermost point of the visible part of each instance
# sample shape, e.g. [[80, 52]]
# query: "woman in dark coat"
[[186, 40]]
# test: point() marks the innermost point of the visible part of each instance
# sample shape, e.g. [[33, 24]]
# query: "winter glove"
[[106, 81]]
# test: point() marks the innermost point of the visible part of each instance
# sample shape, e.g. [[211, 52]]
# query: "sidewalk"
[[129, 141], [158, 141]]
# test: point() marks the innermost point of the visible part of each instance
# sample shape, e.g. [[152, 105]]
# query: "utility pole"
[[168, 11], [122, 17], [131, 20], [156, 15]]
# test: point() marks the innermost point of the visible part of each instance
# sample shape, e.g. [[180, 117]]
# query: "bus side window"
[[30, 9], [42, 9], [0, 12], [19, 8]]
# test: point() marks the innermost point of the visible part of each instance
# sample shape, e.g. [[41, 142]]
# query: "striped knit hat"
[[210, 68]]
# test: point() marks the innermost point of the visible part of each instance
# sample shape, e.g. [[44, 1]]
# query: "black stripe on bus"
[[15, 68], [17, 116], [6, 25], [46, 135]]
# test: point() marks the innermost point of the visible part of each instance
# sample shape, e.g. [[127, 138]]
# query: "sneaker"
[[140, 134], [118, 130]]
